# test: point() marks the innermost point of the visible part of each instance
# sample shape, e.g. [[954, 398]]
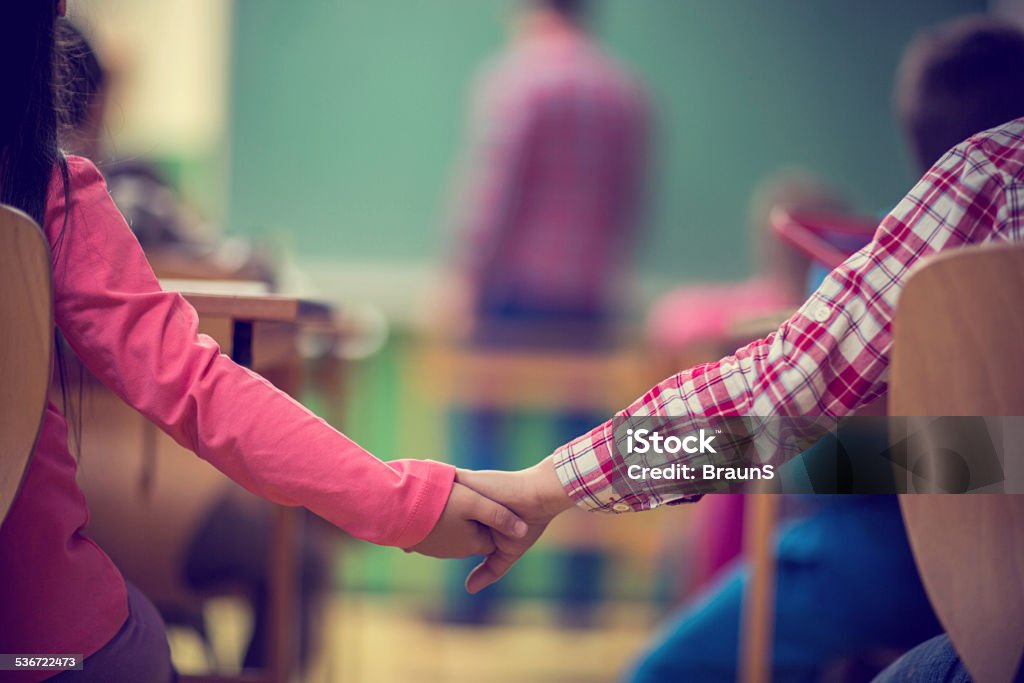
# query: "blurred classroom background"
[[327, 134]]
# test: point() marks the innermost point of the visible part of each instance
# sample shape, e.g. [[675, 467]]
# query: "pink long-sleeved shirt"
[[59, 593]]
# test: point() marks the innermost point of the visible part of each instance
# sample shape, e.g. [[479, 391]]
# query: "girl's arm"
[[143, 343]]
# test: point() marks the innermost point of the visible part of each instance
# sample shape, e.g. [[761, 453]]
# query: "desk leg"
[[284, 546], [241, 342], [758, 617], [284, 591]]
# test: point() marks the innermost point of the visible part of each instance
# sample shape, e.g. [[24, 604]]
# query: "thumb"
[[497, 517], [493, 567]]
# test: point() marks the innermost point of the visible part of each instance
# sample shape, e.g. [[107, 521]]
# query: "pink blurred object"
[[828, 238], [706, 313], [718, 537]]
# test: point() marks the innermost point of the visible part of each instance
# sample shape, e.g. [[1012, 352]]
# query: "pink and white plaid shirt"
[[556, 162], [832, 355]]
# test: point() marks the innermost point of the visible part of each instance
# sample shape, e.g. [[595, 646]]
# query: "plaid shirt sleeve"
[[832, 355]]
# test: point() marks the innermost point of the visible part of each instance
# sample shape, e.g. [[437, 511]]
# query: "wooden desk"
[[539, 379]]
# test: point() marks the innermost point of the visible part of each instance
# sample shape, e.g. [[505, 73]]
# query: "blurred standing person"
[[556, 165], [546, 224]]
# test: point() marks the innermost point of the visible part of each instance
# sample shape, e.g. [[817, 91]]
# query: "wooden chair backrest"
[[957, 351], [26, 344]]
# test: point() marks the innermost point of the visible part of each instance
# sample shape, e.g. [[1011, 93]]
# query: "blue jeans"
[[846, 585], [934, 661], [482, 438]]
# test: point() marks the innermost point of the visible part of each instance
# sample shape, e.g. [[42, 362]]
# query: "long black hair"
[[29, 121], [29, 116]]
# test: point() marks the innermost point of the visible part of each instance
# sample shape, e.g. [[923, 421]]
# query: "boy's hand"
[[535, 494], [466, 524]]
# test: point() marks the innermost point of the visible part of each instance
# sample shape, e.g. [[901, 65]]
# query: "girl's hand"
[[466, 525]]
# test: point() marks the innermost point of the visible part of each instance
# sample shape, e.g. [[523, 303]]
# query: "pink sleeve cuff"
[[429, 485]]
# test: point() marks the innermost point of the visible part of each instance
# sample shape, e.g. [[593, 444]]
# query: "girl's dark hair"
[[29, 114], [29, 120], [80, 74]]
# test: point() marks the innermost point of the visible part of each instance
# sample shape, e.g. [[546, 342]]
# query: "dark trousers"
[[138, 652], [230, 550], [933, 661], [483, 438]]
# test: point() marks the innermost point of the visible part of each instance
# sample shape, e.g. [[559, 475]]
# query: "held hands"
[[469, 525], [497, 514], [535, 494]]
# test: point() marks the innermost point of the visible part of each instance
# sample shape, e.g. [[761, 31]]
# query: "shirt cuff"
[[595, 476], [429, 485]]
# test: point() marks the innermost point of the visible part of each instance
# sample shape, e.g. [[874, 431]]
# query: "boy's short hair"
[[572, 9], [959, 79]]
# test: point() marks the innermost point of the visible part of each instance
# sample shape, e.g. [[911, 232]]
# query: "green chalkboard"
[[347, 115]]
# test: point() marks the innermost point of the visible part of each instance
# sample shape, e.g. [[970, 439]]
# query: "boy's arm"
[[829, 358]]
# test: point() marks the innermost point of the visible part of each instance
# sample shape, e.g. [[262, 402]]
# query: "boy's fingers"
[[478, 579], [490, 570], [497, 517], [498, 486]]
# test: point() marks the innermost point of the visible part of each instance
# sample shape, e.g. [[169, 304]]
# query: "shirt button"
[[822, 313], [621, 507]]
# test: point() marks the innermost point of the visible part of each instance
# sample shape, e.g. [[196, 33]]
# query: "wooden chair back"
[[26, 345], [957, 351]]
